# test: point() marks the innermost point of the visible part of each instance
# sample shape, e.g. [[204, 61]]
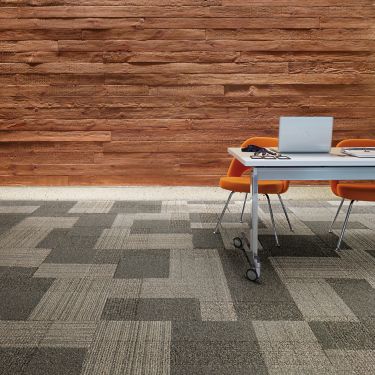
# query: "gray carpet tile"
[[95, 220], [152, 309], [120, 309], [20, 293], [145, 287], [160, 226], [109, 256], [357, 294], [214, 331], [60, 208], [267, 310], [14, 360], [214, 357], [130, 207], [71, 246], [55, 361], [11, 219], [297, 245], [206, 239], [344, 335], [139, 264]]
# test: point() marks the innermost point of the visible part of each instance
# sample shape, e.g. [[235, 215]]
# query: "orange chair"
[[235, 182], [359, 191]]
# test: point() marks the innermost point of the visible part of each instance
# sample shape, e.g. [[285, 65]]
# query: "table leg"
[[254, 222]]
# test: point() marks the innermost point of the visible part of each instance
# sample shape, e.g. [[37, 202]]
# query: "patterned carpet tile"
[[146, 287]]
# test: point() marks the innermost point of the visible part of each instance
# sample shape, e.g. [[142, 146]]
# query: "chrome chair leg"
[[243, 208], [285, 212], [272, 220], [223, 212], [345, 225], [337, 214]]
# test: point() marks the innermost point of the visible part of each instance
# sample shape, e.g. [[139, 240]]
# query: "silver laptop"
[[305, 134]]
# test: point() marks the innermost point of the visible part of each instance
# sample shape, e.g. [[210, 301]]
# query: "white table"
[[309, 167]]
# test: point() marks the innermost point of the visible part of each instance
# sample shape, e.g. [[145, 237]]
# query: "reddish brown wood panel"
[[114, 92]]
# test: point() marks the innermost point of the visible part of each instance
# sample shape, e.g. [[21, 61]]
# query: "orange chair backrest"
[[236, 169], [356, 143], [352, 143]]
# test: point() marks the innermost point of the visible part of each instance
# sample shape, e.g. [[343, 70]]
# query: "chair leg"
[[272, 220], [285, 212], [243, 208], [222, 213], [345, 225], [337, 214]]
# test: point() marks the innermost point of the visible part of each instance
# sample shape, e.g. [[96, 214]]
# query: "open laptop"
[[305, 134]]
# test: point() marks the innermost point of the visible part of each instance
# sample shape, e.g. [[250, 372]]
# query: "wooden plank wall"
[[115, 92]]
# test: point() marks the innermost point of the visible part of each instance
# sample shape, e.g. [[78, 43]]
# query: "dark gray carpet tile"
[[54, 239], [13, 360], [17, 272], [54, 209], [168, 309], [320, 228], [22, 203], [212, 331], [95, 220], [152, 309], [238, 357], [75, 245], [371, 252], [323, 226], [107, 256], [70, 240], [72, 253], [344, 335], [138, 264], [358, 295], [276, 207], [86, 231], [55, 361], [297, 246], [20, 293], [270, 290], [160, 226], [206, 239], [267, 310], [197, 217], [132, 207], [3, 270], [252, 369], [120, 309], [8, 220]]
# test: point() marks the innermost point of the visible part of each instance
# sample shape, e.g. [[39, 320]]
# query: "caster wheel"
[[237, 242], [252, 275]]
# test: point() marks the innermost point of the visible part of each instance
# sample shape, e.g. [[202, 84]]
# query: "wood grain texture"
[[114, 92]]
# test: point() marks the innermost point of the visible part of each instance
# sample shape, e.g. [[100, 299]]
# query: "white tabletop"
[[303, 160]]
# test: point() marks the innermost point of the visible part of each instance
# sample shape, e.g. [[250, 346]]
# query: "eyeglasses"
[[263, 153], [265, 156]]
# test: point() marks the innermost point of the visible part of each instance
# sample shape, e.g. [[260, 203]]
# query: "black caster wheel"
[[237, 242], [252, 275]]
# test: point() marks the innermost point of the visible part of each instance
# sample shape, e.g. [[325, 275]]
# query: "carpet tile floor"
[[145, 287]]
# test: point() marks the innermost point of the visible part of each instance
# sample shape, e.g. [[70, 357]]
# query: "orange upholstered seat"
[[242, 185], [354, 191], [358, 191], [236, 182]]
